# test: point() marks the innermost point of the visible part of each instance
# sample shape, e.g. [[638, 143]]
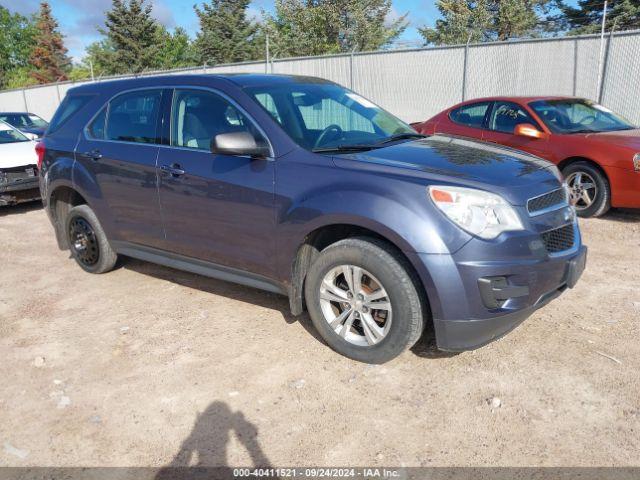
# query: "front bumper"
[[18, 186], [468, 314]]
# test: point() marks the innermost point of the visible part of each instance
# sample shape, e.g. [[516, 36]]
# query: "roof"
[[240, 79], [521, 99]]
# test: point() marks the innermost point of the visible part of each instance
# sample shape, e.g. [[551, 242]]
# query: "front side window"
[[505, 116], [578, 116], [470, 115], [10, 135], [133, 117], [324, 116], [198, 116]]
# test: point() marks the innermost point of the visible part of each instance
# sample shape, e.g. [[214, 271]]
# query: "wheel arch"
[[570, 160], [62, 199], [326, 235]]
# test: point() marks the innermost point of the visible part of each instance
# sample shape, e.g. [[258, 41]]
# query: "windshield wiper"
[[344, 148], [364, 147], [400, 136]]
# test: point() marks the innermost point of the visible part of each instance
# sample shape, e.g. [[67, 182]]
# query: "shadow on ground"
[[20, 208], [624, 215], [203, 454]]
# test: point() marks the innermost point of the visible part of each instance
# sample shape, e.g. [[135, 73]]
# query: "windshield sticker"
[[362, 101]]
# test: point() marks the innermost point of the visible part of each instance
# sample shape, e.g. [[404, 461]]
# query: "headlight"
[[481, 213], [636, 162]]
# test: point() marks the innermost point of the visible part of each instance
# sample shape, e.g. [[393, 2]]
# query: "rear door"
[[218, 208], [501, 123], [120, 147], [467, 120]]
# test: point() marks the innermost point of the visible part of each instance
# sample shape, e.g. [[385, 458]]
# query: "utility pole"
[[266, 63], [93, 79], [604, 19]]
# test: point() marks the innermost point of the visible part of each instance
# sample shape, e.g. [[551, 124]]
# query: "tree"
[[49, 56], [586, 16], [131, 44], [17, 40], [226, 34], [486, 20], [177, 50], [315, 27]]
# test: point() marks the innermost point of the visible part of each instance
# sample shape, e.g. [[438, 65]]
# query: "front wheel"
[[363, 299], [589, 189]]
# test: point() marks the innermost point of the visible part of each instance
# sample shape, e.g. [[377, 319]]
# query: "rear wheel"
[[87, 241], [589, 189], [363, 300]]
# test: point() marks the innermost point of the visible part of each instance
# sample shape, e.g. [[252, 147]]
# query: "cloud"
[[163, 14], [23, 7]]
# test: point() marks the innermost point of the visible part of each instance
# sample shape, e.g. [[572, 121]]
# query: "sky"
[[79, 19]]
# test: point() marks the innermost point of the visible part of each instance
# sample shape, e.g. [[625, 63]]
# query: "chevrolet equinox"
[[299, 186]]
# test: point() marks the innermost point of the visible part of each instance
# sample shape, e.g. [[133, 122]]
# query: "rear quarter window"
[[71, 105], [470, 115]]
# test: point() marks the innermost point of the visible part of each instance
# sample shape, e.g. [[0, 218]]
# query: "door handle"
[[94, 154], [174, 170]]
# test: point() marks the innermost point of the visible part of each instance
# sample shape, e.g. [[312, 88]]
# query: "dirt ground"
[[148, 366]]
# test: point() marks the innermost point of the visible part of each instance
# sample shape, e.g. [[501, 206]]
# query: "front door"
[[502, 121], [218, 208], [120, 150]]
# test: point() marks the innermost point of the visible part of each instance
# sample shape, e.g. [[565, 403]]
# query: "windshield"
[[325, 117], [578, 116], [23, 120], [10, 135]]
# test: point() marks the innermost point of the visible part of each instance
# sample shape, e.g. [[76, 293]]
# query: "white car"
[[18, 167]]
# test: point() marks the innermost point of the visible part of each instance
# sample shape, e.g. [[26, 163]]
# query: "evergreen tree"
[[226, 34], [315, 27], [586, 16], [487, 20], [17, 40], [176, 50], [49, 57], [131, 38]]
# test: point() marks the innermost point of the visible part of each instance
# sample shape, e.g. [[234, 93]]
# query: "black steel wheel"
[[87, 241], [83, 242]]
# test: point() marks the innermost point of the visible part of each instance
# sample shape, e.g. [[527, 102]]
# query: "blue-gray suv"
[[300, 186]]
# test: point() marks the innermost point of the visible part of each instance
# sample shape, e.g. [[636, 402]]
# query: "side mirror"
[[241, 144], [528, 130]]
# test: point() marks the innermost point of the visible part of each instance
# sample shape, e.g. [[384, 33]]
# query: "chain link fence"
[[416, 84]]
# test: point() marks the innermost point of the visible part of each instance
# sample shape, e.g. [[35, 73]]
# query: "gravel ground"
[[148, 366]]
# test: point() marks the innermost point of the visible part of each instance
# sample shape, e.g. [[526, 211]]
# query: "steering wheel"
[[324, 136]]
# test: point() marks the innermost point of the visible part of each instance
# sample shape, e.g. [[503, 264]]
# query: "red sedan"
[[597, 150]]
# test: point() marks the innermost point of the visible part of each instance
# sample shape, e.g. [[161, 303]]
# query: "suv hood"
[[514, 175]]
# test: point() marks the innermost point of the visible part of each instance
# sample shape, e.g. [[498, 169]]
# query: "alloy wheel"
[[582, 190], [356, 305]]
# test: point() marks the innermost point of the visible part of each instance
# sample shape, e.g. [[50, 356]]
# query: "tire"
[[87, 241], [381, 269], [601, 193]]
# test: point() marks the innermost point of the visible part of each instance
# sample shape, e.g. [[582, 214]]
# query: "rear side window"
[[69, 107], [96, 127], [470, 115], [133, 117]]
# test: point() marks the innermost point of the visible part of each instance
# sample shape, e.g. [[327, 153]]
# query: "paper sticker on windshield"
[[362, 101], [4, 128], [601, 108]]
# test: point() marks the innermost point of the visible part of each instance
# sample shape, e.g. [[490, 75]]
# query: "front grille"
[[559, 239], [543, 202]]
